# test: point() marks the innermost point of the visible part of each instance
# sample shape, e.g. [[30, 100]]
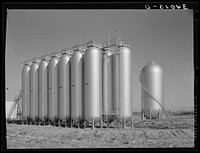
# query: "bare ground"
[[146, 134]]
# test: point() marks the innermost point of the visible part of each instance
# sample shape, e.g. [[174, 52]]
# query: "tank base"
[[151, 115], [106, 122]]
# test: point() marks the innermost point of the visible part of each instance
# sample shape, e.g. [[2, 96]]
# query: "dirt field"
[[146, 134]]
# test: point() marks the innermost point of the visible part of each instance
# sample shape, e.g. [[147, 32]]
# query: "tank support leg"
[[71, 122], [101, 122], [132, 121], [108, 123], [84, 123], [92, 122], [142, 115], [150, 113], [160, 114], [124, 122], [115, 121], [78, 123]]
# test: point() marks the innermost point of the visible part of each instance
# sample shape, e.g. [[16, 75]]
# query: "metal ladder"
[[16, 104]]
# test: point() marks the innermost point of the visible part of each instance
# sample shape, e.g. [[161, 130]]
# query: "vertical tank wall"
[[25, 91], [42, 90], [122, 82], [107, 101], [53, 88], [126, 82], [33, 81], [116, 82], [65, 85], [93, 83], [77, 86], [151, 79]]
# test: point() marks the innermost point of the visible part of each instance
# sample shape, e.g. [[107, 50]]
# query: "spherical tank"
[[77, 85], [93, 83], [25, 92], [107, 101], [42, 91], [151, 79], [53, 88], [33, 81], [122, 82], [64, 85]]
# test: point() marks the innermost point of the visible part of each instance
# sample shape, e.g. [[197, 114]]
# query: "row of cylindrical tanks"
[[90, 86]]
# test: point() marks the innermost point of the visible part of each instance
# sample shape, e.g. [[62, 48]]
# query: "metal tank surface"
[[116, 83], [77, 86], [25, 91], [53, 89], [122, 83], [64, 85], [126, 105], [107, 101], [33, 86], [93, 83], [151, 79], [42, 90]]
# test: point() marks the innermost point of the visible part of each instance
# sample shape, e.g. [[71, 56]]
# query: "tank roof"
[[64, 53], [27, 64], [53, 55], [152, 63], [35, 62], [149, 64]]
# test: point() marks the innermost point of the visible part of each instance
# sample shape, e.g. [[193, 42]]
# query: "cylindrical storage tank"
[[116, 83], [42, 90], [77, 86], [25, 91], [107, 100], [33, 93], [53, 89], [93, 83], [151, 79], [122, 82], [64, 85]]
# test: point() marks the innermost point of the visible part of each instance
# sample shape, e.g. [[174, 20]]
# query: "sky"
[[163, 36]]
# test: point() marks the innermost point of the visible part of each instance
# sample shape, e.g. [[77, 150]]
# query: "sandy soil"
[[146, 134]]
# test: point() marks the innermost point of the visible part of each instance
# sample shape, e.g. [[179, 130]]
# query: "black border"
[[96, 5]]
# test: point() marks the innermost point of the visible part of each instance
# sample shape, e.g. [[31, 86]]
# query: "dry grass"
[[147, 134]]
